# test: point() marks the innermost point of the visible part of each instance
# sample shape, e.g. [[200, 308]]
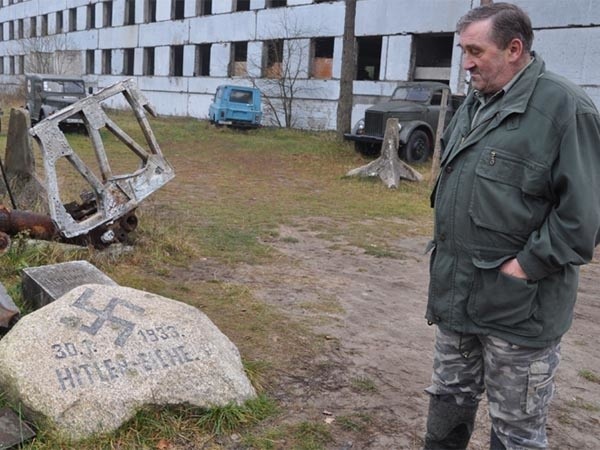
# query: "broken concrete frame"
[[115, 195]]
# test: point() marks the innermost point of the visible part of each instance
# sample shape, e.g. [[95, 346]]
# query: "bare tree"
[[50, 54], [284, 71]]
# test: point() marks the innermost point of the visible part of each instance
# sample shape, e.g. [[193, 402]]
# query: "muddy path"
[[371, 310]]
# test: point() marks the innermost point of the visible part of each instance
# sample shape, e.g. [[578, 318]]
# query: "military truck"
[[416, 105], [47, 94]]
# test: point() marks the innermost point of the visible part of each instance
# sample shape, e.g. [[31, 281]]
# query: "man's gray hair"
[[508, 22]]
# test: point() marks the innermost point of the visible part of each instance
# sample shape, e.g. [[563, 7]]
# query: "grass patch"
[[363, 384], [354, 422], [589, 375], [231, 194], [223, 419]]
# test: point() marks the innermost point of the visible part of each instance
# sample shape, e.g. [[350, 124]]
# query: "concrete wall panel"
[[119, 37], [398, 58], [573, 53], [198, 105], [560, 13], [325, 19], [223, 28], [163, 33], [377, 17]]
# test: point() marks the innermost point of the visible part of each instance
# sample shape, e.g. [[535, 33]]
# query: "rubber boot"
[[449, 426], [495, 442]]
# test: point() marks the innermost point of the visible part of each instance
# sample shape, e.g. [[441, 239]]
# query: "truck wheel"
[[418, 148], [367, 148]]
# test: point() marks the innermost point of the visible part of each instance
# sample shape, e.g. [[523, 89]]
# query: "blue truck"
[[236, 106]]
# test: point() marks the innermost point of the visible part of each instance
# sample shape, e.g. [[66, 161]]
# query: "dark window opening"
[[11, 30], [89, 61], [21, 29], [33, 27], [59, 22], [129, 12], [149, 61], [128, 61], [368, 61], [107, 14], [203, 60], [176, 66], [45, 25], [203, 7], [239, 65], [73, 19], [242, 5], [106, 61], [322, 61], [150, 12], [432, 56], [177, 9], [91, 17], [276, 3], [273, 58]]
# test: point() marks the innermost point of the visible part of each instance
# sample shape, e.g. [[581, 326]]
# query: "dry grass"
[[231, 193]]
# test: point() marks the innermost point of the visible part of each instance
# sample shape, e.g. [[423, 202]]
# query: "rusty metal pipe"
[[39, 226]]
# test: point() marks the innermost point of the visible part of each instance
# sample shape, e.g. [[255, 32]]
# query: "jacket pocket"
[[503, 302], [510, 194]]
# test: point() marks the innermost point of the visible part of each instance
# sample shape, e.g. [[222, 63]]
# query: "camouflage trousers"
[[519, 382]]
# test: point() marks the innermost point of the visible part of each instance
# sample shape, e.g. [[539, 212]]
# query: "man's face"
[[488, 65]]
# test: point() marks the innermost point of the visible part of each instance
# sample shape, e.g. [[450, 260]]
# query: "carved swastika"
[[106, 315]]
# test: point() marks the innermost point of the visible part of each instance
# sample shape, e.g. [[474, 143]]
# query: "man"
[[517, 210]]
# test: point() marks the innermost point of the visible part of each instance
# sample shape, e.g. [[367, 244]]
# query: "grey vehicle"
[[416, 105], [47, 94]]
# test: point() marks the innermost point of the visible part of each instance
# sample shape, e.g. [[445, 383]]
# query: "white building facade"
[[179, 51]]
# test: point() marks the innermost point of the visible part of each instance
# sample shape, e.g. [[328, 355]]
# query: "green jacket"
[[525, 183]]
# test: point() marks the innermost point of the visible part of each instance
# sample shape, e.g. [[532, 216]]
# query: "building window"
[[45, 25], [176, 63], [203, 7], [11, 30], [1, 65], [11, 65], [242, 5], [107, 13], [273, 51], [59, 22], [73, 19], [177, 9], [275, 3], [106, 61], [368, 61], [90, 21], [90, 59], [1, 32], [150, 11], [21, 29], [129, 12], [149, 61], [432, 56], [33, 27], [203, 60], [239, 59], [128, 61], [21, 65], [322, 58]]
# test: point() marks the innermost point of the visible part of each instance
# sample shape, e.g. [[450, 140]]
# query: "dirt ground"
[[371, 309]]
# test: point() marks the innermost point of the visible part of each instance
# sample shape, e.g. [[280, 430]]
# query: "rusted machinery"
[[105, 212]]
